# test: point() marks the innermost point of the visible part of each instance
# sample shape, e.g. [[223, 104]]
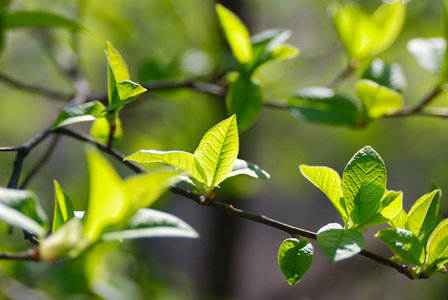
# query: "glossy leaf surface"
[[294, 258]]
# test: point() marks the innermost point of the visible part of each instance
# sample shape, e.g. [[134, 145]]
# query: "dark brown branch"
[[29, 256], [35, 89]]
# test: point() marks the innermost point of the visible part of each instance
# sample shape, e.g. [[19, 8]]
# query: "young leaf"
[[236, 35], [107, 202], [428, 53], [399, 221], [242, 167], [390, 206], [19, 19], [388, 75], [117, 71], [322, 105], [244, 98], [152, 223], [423, 216], [25, 202], [79, 113], [14, 217], [63, 207], [294, 258], [403, 243], [437, 246], [377, 100], [218, 150], [127, 92], [284, 52], [363, 185], [329, 182], [100, 131], [338, 243]]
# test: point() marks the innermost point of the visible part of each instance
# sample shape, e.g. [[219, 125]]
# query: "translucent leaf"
[[363, 185], [294, 258], [148, 223], [236, 35], [218, 150], [79, 113], [244, 98], [284, 52], [366, 35], [329, 182], [117, 71], [388, 75], [322, 105], [242, 167], [377, 100], [399, 221], [127, 92], [437, 246], [179, 159], [19, 19], [390, 206], [107, 202], [338, 243], [428, 53], [25, 202], [14, 217], [423, 216], [403, 243], [63, 207], [101, 128]]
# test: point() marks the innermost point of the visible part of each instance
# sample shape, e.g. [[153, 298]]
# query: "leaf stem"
[[344, 74]]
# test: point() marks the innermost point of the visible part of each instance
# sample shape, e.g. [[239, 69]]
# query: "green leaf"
[[363, 185], [14, 217], [179, 159], [218, 150], [242, 167], [329, 182], [437, 246], [117, 72], [338, 243], [148, 223], [107, 202], [79, 113], [388, 75], [294, 258], [19, 19], [428, 53], [100, 131], [423, 216], [403, 243], [322, 105], [27, 203], [236, 35], [63, 207], [390, 206], [284, 52], [366, 35], [127, 92], [244, 98], [377, 100]]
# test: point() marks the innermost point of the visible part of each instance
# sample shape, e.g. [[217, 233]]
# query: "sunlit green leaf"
[[338, 243], [127, 92], [404, 244], [284, 52], [14, 217], [101, 128], [429, 53], [79, 113], [25, 202], [437, 246], [399, 221], [236, 35], [117, 72], [242, 167], [294, 258], [329, 182], [377, 100], [390, 206], [148, 223], [244, 98], [423, 216], [322, 105], [18, 19], [388, 75], [218, 150], [63, 207], [363, 185]]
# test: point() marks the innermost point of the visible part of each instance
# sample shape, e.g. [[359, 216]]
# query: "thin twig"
[[35, 89], [340, 77], [29, 256], [418, 109]]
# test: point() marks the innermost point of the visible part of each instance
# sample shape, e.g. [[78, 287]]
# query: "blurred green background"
[[233, 259]]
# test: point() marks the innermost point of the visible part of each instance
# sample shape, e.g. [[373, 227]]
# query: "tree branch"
[[29, 256], [418, 109]]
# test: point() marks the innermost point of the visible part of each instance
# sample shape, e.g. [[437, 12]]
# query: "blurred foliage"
[[174, 39]]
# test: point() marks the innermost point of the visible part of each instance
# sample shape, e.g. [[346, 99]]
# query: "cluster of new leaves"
[[417, 238]]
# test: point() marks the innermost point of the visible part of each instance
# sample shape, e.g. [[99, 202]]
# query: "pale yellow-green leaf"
[[100, 131], [437, 246], [63, 207], [378, 100]]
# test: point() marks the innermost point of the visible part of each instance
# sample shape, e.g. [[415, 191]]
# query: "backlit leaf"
[[19, 19], [294, 258], [388, 75], [117, 72], [63, 207], [242, 167], [437, 246], [101, 128], [390, 206], [79, 113]]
